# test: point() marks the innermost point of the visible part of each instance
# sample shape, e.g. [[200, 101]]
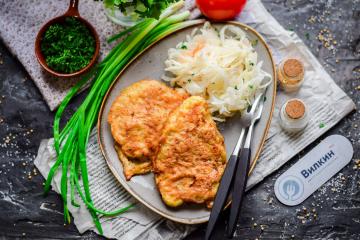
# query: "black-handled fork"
[[240, 180], [225, 186]]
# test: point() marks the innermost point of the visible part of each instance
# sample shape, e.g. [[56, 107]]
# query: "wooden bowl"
[[71, 12]]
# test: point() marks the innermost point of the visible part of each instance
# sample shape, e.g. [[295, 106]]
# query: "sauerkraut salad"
[[220, 65]]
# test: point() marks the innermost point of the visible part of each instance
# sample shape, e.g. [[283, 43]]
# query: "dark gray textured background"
[[333, 212]]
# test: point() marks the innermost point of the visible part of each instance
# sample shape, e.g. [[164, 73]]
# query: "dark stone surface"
[[25, 120]]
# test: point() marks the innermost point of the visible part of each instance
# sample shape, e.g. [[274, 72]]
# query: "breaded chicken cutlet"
[[137, 118], [191, 157]]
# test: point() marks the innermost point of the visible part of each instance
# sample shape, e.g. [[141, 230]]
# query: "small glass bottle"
[[293, 115], [290, 74]]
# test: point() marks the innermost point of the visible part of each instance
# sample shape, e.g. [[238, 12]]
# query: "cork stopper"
[[293, 68], [295, 109]]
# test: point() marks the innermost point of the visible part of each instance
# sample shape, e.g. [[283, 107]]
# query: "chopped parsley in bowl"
[[68, 46]]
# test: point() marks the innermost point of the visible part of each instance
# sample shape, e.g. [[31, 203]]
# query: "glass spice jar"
[[293, 115], [290, 74]]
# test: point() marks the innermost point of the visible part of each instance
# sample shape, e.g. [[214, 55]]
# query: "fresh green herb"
[[143, 8], [236, 87], [251, 64], [321, 125], [254, 42], [251, 86], [307, 35], [183, 46], [68, 47], [291, 29], [70, 143]]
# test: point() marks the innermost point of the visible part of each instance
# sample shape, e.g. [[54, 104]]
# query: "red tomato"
[[220, 9]]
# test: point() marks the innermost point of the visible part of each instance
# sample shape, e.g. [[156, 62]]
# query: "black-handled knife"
[[224, 187], [239, 184], [238, 193]]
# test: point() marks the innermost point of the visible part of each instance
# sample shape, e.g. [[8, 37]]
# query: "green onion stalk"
[[71, 141]]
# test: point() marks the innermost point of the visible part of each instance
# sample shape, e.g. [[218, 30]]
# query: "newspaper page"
[[328, 103], [319, 91]]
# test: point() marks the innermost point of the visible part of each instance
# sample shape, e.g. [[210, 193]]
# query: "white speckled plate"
[[150, 64]]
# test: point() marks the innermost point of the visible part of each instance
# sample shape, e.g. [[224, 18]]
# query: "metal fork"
[[242, 170], [228, 175]]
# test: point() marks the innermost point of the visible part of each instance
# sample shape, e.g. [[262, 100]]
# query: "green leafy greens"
[[144, 8], [68, 46]]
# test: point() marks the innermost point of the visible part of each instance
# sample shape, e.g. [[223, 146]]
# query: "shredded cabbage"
[[220, 65]]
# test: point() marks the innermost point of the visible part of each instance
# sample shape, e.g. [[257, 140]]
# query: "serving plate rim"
[[263, 138]]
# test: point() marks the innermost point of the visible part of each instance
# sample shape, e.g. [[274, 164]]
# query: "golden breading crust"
[[191, 157], [132, 167], [137, 118]]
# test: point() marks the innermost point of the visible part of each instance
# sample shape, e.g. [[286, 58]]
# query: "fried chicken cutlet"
[[191, 157], [137, 118]]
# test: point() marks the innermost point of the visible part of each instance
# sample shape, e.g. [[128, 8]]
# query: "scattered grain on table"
[[326, 37], [357, 164], [263, 227], [305, 215], [12, 144]]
